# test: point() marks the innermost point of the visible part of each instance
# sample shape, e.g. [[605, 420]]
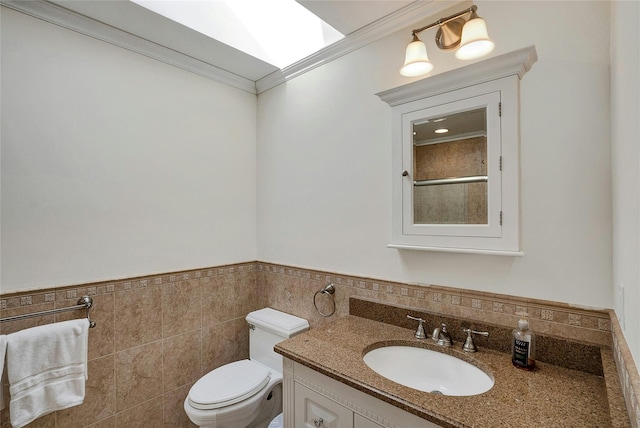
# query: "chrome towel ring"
[[329, 290]]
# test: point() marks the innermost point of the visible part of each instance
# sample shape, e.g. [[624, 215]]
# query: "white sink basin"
[[427, 370]]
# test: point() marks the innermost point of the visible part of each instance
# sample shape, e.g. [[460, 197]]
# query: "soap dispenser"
[[523, 345]]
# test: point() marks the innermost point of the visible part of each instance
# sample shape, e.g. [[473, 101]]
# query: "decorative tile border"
[[552, 318], [557, 319], [64, 294]]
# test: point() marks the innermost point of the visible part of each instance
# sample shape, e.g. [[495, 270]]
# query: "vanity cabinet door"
[[314, 400], [313, 410], [362, 422]]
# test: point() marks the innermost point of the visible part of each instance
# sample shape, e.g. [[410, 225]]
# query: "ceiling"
[[128, 25], [346, 16], [466, 124]]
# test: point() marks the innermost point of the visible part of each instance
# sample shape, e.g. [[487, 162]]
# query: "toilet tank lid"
[[277, 322]]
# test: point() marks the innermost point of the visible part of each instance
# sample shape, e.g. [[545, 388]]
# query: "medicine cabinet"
[[455, 158]]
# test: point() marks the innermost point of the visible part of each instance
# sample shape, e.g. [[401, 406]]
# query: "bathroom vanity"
[[319, 401], [327, 384]]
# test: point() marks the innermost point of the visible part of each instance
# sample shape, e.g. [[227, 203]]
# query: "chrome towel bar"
[[85, 302]]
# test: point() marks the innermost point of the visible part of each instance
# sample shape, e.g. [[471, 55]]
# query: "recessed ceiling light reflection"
[[441, 131]]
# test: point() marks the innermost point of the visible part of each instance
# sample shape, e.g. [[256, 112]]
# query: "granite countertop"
[[549, 396]]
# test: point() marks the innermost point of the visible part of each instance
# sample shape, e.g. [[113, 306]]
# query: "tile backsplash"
[[291, 290], [559, 352], [156, 335]]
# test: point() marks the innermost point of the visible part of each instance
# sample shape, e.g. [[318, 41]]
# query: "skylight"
[[279, 32]]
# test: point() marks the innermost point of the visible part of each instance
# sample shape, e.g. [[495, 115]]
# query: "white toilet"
[[246, 393]]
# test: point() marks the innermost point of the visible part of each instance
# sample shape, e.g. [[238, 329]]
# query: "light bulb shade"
[[416, 61], [475, 39]]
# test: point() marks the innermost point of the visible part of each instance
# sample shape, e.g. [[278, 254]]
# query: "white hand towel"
[[47, 367], [3, 351]]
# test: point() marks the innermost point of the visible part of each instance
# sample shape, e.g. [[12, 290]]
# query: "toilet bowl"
[[246, 393], [277, 422]]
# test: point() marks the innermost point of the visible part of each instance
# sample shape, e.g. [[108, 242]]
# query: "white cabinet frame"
[[483, 83]]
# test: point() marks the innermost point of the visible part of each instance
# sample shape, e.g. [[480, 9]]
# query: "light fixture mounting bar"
[[466, 34], [444, 20]]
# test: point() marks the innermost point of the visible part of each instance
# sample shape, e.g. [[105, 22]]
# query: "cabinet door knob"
[[405, 173], [318, 422]]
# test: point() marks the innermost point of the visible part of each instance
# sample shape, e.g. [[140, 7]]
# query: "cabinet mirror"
[[450, 169]]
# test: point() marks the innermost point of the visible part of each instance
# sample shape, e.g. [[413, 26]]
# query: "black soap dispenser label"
[[520, 353]]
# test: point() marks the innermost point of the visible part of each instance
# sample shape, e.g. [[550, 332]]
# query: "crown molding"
[[70, 20], [389, 24], [513, 63], [82, 24]]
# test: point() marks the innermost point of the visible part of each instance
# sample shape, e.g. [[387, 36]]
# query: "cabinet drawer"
[[313, 410], [362, 422]]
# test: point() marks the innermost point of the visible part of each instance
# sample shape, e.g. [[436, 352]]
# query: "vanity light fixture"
[[463, 30]]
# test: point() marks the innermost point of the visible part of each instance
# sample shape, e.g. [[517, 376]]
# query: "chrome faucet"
[[420, 331], [441, 336]]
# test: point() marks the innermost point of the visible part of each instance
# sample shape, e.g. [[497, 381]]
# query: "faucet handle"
[[469, 345], [420, 331]]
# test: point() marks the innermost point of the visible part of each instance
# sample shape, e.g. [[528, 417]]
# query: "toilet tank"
[[268, 328]]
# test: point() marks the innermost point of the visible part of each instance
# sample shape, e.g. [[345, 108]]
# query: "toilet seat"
[[228, 385]]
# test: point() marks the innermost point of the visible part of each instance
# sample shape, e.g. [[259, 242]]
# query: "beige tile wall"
[[157, 335], [627, 371], [460, 203], [291, 290]]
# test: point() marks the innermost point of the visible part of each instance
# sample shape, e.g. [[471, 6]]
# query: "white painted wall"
[[116, 165], [625, 139], [324, 162]]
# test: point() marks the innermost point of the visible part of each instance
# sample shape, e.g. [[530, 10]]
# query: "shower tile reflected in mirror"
[[445, 150]]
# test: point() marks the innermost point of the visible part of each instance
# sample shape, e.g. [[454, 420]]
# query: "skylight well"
[[279, 32]]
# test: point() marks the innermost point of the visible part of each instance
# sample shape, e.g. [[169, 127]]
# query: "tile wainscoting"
[[627, 372], [156, 335], [291, 289]]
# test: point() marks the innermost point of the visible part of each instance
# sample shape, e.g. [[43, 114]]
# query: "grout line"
[[377, 290]]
